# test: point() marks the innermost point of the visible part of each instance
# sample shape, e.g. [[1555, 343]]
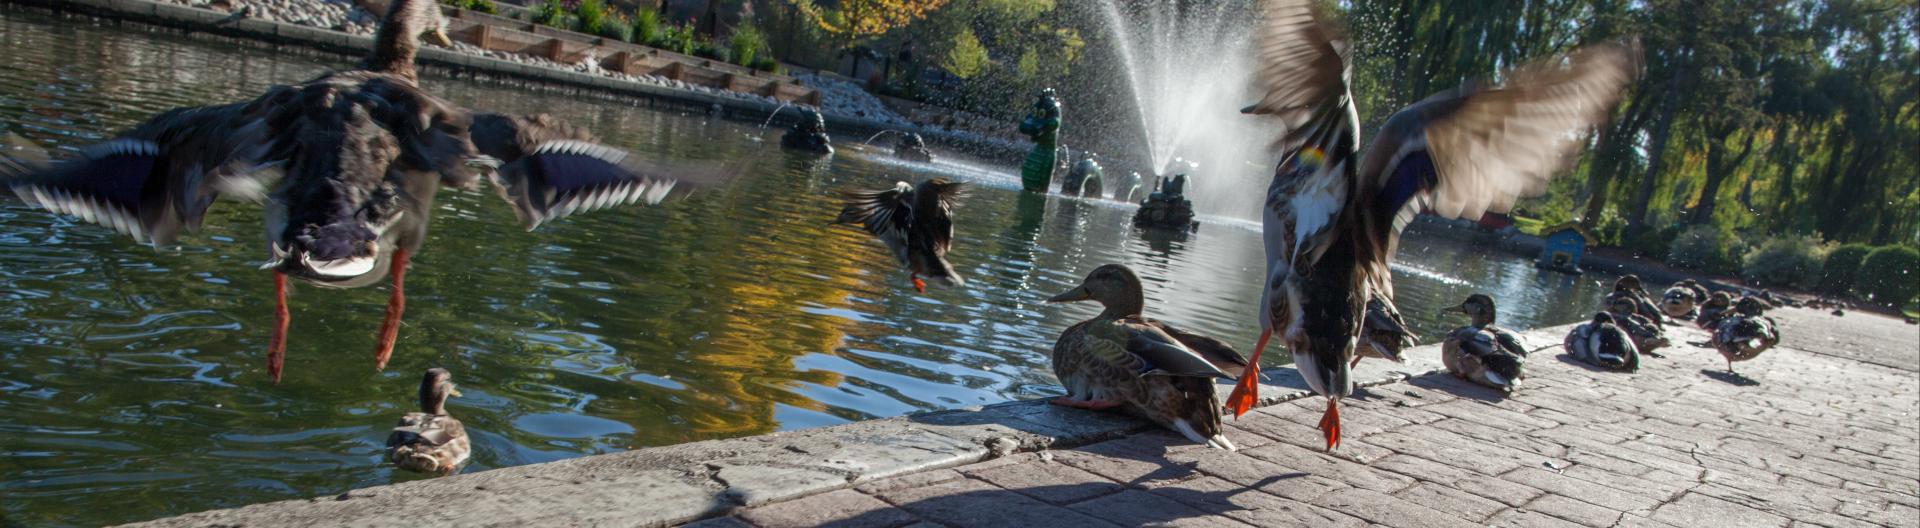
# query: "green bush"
[[767, 64], [680, 39], [1705, 248], [1888, 277], [483, 6], [592, 15], [646, 26], [746, 43], [552, 14], [617, 30], [1785, 261], [1836, 277]]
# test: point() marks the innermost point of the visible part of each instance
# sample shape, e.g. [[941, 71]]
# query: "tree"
[[856, 20], [965, 57]]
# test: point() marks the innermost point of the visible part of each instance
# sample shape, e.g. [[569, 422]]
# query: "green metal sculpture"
[[1084, 179], [1043, 124]]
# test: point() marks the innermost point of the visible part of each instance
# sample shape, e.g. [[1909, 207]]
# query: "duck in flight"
[[1334, 213], [345, 165]]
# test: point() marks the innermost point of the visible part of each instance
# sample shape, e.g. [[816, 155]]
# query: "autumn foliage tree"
[[853, 22]]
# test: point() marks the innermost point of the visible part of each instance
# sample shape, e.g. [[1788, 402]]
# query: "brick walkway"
[[1810, 439]]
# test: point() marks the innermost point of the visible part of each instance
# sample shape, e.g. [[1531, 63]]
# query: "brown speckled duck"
[[430, 441], [1745, 333], [1122, 359], [1483, 352], [1718, 304], [916, 224], [1647, 334]]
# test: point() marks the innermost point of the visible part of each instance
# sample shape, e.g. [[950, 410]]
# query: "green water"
[[132, 380]]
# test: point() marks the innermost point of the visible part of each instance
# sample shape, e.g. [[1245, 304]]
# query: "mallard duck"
[[1718, 304], [347, 165], [916, 223], [1678, 303], [1483, 352], [1699, 292], [1333, 217], [1604, 343], [1647, 335], [1745, 333], [1123, 359], [913, 148], [1643, 304], [809, 134], [1383, 333], [430, 441]]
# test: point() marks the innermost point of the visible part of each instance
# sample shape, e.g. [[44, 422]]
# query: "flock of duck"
[[346, 166]]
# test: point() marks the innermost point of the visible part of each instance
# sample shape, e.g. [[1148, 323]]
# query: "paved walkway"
[[1819, 432]]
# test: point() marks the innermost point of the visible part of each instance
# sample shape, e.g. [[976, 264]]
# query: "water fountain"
[[1189, 68]]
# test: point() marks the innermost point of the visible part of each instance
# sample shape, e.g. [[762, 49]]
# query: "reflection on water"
[[133, 383]]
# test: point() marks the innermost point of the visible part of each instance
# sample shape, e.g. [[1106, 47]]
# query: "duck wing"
[[1303, 78], [1509, 341], [1222, 355], [1136, 344], [932, 226], [551, 168], [1478, 148], [887, 214], [163, 174]]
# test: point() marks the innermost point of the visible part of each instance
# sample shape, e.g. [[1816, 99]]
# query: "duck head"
[[1480, 307], [1627, 283], [328, 218], [1114, 286], [1621, 304], [435, 388]]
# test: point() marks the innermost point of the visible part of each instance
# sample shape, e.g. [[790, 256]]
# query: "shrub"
[[483, 6], [767, 64], [746, 43], [1887, 276], [679, 39], [552, 14], [1705, 248], [617, 30], [1837, 276], [646, 26], [592, 15], [1785, 261]]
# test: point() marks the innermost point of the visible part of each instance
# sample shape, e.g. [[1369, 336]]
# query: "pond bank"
[[681, 483], [1680, 443], [740, 107]]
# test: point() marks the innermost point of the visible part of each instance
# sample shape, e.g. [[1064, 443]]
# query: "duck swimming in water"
[[346, 165], [916, 224], [430, 441], [1603, 343], [1333, 216], [1483, 352], [1122, 359]]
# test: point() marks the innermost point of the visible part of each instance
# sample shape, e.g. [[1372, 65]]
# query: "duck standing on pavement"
[[1745, 333]]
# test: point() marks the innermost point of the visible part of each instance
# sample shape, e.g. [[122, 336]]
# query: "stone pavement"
[[1798, 438]]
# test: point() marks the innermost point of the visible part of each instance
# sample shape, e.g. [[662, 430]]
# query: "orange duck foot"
[[919, 285], [396, 305], [1095, 405], [277, 343], [1247, 391], [1330, 424]]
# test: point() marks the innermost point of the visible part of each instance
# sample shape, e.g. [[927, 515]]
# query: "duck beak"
[[440, 37], [453, 390], [1077, 294]]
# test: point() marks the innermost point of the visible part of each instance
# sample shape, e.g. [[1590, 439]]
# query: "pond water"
[[133, 385]]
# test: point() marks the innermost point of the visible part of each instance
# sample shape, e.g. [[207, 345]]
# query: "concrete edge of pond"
[[195, 20], [674, 484]]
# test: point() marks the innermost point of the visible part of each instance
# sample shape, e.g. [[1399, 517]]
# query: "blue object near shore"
[[1565, 245]]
